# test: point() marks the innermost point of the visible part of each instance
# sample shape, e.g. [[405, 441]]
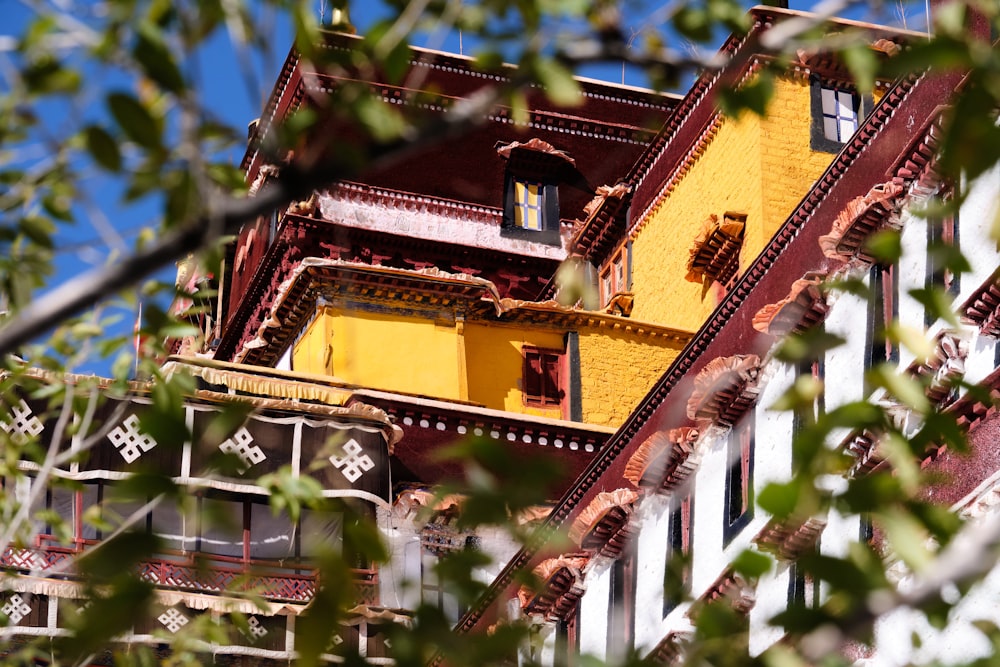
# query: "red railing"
[[199, 573]]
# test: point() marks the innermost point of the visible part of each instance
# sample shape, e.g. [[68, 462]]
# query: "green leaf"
[[156, 60], [103, 148], [559, 83], [135, 120], [753, 96], [863, 65], [751, 564], [779, 498], [907, 538], [38, 229], [885, 246], [808, 345], [907, 390]]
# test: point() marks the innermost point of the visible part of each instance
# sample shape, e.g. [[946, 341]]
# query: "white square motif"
[[129, 440], [239, 445], [355, 462]]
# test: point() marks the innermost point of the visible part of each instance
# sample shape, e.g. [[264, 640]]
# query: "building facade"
[[389, 316]]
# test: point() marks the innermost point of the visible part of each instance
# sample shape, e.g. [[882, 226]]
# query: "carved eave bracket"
[[879, 209], [729, 586], [863, 444], [982, 308], [725, 389], [604, 526], [671, 649], [664, 460], [804, 307], [790, 538], [940, 372], [560, 590], [715, 253]]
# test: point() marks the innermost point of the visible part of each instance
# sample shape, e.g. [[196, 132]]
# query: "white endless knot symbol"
[[129, 440], [256, 629], [354, 462], [23, 424], [15, 608], [239, 445], [172, 620]]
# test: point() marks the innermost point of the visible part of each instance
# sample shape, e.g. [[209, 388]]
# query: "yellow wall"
[[761, 166], [482, 361], [617, 370], [392, 352], [495, 365]]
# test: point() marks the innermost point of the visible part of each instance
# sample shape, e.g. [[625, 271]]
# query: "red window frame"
[[542, 378], [614, 275]]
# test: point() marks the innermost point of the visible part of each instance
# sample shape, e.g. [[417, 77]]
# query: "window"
[[739, 478], [528, 211], [882, 312], [803, 588], [434, 590], [567, 649], [815, 368], [835, 115], [840, 114], [616, 275], [621, 605], [942, 236], [531, 208], [677, 571], [542, 377]]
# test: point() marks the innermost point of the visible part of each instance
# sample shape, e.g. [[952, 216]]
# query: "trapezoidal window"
[[543, 376], [532, 176], [836, 112]]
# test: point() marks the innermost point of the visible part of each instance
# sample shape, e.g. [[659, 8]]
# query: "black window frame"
[[818, 138], [549, 232], [680, 540], [740, 452]]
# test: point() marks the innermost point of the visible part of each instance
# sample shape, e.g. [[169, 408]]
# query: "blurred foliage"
[[110, 92]]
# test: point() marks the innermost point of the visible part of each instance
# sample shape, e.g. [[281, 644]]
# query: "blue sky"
[[236, 96]]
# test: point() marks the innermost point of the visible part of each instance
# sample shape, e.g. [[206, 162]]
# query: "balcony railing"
[[199, 573]]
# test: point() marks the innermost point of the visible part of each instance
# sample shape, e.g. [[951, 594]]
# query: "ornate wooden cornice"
[[561, 588], [729, 586], [604, 526], [671, 649], [804, 307], [715, 253], [790, 538], [664, 460], [879, 209], [725, 389], [982, 308], [946, 365]]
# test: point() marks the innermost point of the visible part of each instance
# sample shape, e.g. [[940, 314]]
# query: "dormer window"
[[531, 189], [836, 114]]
